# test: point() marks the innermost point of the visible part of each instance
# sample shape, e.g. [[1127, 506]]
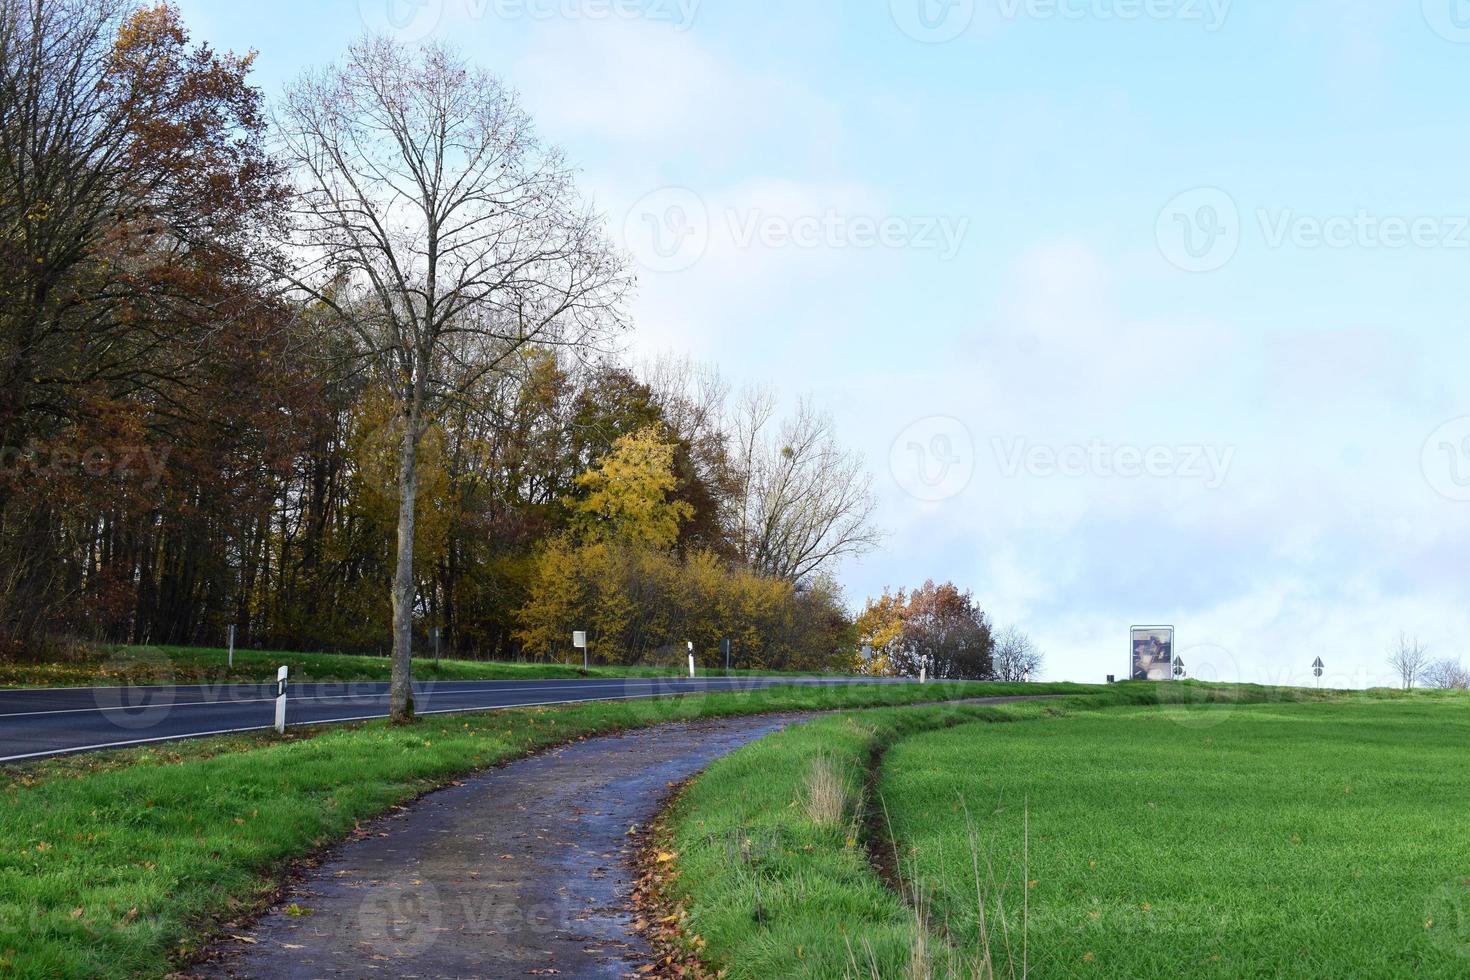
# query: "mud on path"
[[521, 871]]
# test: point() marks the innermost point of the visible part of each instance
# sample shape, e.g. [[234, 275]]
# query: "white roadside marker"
[[281, 701]]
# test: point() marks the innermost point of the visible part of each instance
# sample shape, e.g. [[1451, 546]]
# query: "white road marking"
[[420, 692], [328, 721]]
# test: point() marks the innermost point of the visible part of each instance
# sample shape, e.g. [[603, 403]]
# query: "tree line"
[[940, 630], [342, 370]]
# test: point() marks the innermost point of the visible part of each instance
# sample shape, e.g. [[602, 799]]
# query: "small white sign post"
[[924, 674], [281, 701], [232, 646], [691, 659], [1317, 670], [579, 641]]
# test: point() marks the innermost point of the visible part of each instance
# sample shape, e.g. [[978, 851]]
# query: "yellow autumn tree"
[[554, 598], [626, 494], [881, 627], [617, 576]]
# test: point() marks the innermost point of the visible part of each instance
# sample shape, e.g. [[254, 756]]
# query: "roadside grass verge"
[[100, 666], [769, 885], [1325, 840], [127, 863]]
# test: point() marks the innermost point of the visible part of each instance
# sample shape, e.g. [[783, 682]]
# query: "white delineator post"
[[232, 647], [923, 675], [691, 659], [281, 701]]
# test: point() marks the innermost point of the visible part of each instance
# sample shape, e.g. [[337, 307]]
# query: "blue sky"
[[1142, 311]]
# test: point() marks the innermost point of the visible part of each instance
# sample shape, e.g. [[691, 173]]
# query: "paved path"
[[44, 722], [521, 871]]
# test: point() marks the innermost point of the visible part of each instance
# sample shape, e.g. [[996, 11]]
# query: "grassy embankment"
[[122, 864], [1219, 841], [111, 665]]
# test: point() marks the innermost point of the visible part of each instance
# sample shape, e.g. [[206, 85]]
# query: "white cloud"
[[643, 86], [1324, 540]]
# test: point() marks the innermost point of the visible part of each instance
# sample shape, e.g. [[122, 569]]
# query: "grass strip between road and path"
[[128, 863], [770, 860], [95, 665]]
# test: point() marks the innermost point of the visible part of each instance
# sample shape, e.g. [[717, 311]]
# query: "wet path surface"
[[521, 871]]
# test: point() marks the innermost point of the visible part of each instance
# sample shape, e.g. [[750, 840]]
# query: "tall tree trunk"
[[400, 701]]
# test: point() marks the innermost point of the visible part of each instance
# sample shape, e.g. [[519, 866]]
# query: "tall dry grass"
[[995, 955]]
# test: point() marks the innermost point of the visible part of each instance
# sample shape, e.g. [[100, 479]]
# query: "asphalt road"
[[45, 722]]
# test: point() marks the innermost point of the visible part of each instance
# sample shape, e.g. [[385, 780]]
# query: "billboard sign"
[[1153, 653]]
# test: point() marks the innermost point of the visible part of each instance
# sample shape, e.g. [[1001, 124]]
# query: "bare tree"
[[1447, 675], [436, 228], [1409, 659], [803, 502], [1016, 656]]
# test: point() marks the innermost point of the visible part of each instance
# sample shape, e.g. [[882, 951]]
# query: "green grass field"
[[1224, 840], [123, 864], [104, 666], [1310, 840]]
